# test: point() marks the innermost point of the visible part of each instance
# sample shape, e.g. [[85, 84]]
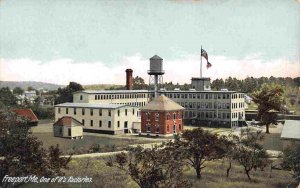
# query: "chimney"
[[129, 80]]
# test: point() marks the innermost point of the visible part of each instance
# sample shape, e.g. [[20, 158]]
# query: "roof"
[[91, 105], [67, 121], [291, 130], [156, 57], [112, 91], [148, 91], [26, 113], [162, 103]]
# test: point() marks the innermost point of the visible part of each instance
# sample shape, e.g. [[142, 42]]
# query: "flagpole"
[[201, 63]]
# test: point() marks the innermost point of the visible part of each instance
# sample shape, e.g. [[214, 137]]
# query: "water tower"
[[156, 73]]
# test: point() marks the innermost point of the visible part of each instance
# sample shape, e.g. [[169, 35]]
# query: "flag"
[[208, 65], [204, 54]]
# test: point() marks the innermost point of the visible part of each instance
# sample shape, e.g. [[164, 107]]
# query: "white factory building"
[[203, 106]]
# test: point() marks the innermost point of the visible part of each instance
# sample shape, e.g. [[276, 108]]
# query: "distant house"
[[68, 127], [161, 117], [28, 115], [290, 134]]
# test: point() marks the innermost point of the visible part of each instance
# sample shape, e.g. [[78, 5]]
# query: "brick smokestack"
[[129, 80]]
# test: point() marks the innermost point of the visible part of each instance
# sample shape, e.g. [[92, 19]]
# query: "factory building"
[[101, 118], [203, 106]]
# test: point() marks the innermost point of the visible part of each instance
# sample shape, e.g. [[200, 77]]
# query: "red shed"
[[161, 117]]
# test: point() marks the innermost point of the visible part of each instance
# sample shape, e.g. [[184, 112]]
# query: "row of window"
[[170, 95], [133, 103], [156, 115], [223, 115], [237, 105], [91, 123], [204, 95], [99, 112], [156, 128], [121, 96]]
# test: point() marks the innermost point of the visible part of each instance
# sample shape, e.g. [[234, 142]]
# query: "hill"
[[25, 84]]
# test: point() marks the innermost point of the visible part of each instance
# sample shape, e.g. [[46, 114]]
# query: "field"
[[213, 176], [106, 143]]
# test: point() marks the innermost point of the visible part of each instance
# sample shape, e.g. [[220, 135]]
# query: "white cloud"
[[62, 71]]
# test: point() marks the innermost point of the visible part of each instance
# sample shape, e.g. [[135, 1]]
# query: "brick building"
[[161, 117]]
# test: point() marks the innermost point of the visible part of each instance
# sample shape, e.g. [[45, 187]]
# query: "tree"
[[30, 88], [248, 152], [66, 94], [268, 99], [199, 146], [291, 161], [150, 168], [18, 91], [139, 83], [6, 97], [22, 154]]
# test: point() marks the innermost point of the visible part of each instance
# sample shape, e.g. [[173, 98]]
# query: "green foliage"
[[250, 84], [7, 98], [248, 152], [22, 154], [291, 161], [66, 94], [268, 99], [199, 146], [150, 168], [139, 83], [18, 91]]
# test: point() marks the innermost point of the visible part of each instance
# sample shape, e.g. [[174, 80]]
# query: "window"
[[174, 115], [100, 112], [157, 130], [69, 131], [168, 128], [67, 110], [91, 112], [109, 112], [118, 112], [179, 126], [74, 111], [59, 110], [118, 123], [133, 111], [95, 97], [109, 124], [83, 112], [125, 124], [125, 112], [92, 123], [83, 122], [100, 123], [81, 97], [148, 116], [156, 116]]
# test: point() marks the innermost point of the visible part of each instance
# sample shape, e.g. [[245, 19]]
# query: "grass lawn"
[[106, 142], [213, 176]]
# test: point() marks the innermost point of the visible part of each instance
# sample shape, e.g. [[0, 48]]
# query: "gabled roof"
[[162, 103], [67, 121], [27, 114], [291, 130], [156, 57]]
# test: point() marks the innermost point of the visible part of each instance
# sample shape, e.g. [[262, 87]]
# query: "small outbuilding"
[[290, 134], [28, 115], [68, 127], [161, 117]]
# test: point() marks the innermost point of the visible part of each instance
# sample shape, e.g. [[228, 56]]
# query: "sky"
[[94, 41]]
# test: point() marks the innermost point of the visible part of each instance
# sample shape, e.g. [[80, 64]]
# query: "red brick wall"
[[162, 122]]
